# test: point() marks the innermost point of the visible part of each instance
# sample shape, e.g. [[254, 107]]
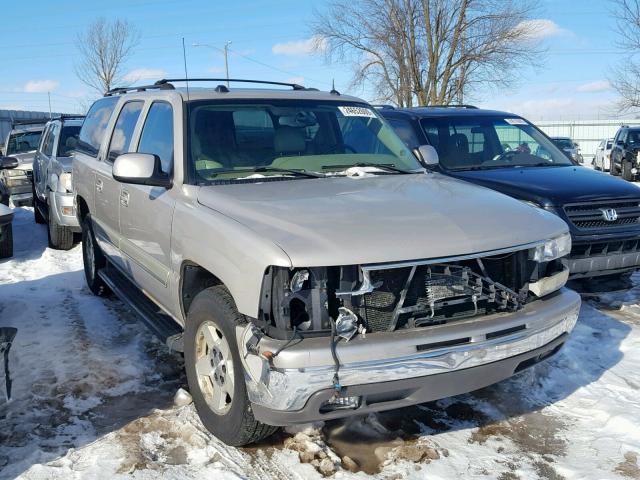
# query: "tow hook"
[[7, 334]]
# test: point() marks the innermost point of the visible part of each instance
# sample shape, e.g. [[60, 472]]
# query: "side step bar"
[[156, 320]]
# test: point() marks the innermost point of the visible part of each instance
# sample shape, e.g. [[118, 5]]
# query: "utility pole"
[[226, 61], [49, 95]]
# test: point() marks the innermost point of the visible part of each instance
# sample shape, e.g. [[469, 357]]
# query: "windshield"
[[490, 142], [564, 143], [282, 137], [634, 136], [23, 142]]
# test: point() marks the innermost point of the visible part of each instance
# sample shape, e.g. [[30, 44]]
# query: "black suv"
[[624, 153], [507, 153]]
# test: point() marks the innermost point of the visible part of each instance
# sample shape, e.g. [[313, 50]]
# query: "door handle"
[[99, 185], [124, 198]]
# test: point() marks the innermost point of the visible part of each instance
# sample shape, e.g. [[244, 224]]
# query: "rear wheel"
[[93, 259], [6, 244], [38, 206], [215, 372]]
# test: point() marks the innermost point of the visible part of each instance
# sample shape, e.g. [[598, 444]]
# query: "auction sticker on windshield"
[[351, 111]]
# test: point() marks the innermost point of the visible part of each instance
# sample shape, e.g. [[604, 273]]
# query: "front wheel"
[[60, 237], [626, 171], [93, 259], [214, 369]]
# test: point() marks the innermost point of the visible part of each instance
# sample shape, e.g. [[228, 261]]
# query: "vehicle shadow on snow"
[[510, 409], [81, 366]]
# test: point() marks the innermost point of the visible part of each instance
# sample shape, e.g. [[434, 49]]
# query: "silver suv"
[[52, 191], [308, 266]]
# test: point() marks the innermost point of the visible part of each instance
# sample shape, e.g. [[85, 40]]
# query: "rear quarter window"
[[95, 126]]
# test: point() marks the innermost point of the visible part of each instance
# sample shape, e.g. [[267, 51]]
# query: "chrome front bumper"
[[61, 206], [281, 392]]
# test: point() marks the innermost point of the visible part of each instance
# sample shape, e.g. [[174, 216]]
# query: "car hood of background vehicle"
[[553, 185], [384, 218]]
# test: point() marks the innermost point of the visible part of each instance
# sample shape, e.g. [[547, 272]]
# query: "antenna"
[[186, 75]]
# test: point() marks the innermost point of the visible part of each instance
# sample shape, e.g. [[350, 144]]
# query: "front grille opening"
[[447, 343], [586, 216], [505, 332], [604, 248]]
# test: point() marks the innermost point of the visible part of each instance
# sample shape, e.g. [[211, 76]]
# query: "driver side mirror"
[[427, 155], [140, 169], [7, 163]]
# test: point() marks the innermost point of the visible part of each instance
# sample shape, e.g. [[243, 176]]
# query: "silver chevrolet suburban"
[[303, 260]]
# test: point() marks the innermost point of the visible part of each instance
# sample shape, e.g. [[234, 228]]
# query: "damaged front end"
[[336, 311]]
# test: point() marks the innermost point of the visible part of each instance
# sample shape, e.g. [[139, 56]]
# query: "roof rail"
[[29, 121], [168, 81], [140, 88], [384, 107], [473, 107], [69, 116]]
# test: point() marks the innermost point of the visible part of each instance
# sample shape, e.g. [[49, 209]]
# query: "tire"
[[6, 244], [613, 169], [213, 315], [60, 237], [626, 171], [37, 204], [93, 260]]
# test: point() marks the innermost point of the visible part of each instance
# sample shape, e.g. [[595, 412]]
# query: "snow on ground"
[[93, 397]]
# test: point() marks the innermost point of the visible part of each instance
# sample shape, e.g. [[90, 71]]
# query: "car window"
[[123, 130], [95, 125], [405, 131], [491, 142], [50, 139], [23, 142], [157, 134], [46, 140], [68, 140], [609, 145], [634, 136]]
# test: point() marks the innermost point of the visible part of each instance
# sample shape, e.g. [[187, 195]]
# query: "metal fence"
[[587, 133]]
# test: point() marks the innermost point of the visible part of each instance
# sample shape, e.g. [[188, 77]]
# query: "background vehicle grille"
[[442, 293], [587, 216]]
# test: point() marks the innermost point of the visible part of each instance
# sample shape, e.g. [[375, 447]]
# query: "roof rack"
[[139, 88], [168, 81], [69, 116], [384, 107], [29, 121], [473, 107]]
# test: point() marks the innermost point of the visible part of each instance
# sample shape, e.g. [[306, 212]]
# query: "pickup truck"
[[52, 191], [309, 268]]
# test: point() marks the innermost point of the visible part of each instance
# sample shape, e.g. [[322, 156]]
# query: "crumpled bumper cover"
[[300, 372]]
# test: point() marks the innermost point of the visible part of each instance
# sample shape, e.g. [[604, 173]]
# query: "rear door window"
[[95, 125], [123, 130], [157, 134]]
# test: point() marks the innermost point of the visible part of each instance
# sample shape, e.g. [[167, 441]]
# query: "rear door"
[[107, 190], [41, 160], [146, 212]]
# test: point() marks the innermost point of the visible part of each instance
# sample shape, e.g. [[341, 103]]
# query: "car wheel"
[[38, 206], [214, 369], [60, 237], [6, 244], [93, 259], [626, 171]]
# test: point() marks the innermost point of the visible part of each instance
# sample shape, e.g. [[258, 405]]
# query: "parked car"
[[625, 153], [292, 246], [22, 142], [569, 147], [52, 189], [505, 152], [602, 158], [6, 214]]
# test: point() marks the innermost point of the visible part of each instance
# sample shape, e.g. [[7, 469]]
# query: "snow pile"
[[96, 397]]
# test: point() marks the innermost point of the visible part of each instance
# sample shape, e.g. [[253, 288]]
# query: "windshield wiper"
[[385, 166], [266, 168]]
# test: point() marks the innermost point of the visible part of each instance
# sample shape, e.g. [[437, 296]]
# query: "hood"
[[385, 218], [25, 159], [553, 186]]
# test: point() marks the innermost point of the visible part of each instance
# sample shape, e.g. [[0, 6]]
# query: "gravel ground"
[[93, 398]]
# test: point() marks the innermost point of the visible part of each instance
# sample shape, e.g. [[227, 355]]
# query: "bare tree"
[[430, 51], [626, 76], [104, 48]]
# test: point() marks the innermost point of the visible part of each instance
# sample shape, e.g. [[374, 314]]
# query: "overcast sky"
[[271, 40]]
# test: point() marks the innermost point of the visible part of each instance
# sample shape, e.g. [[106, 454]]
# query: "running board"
[[161, 325]]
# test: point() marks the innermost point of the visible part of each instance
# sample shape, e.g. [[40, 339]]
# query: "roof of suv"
[[421, 112]]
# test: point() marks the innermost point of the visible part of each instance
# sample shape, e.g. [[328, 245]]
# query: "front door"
[[107, 190], [146, 212]]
